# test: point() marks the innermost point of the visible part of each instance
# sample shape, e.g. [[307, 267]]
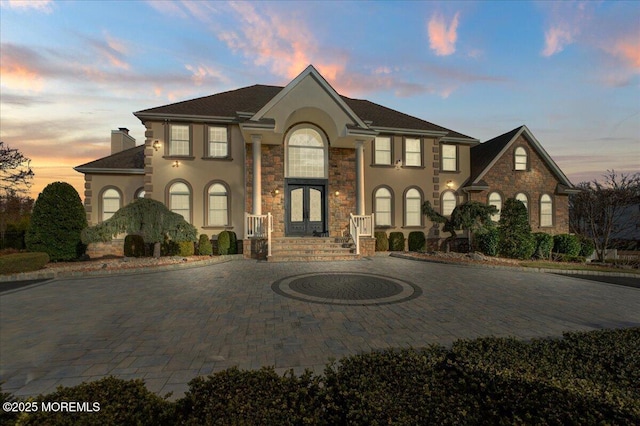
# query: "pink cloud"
[[38, 5], [628, 50], [442, 39], [556, 39]]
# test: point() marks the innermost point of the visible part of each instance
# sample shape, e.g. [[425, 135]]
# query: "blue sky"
[[71, 71]]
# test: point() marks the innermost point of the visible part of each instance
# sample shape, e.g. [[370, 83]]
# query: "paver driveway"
[[168, 327]]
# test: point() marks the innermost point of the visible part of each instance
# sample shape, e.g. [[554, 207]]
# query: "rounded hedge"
[[224, 243], [22, 262], [543, 245], [396, 241], [566, 244], [382, 241], [233, 243], [486, 241], [417, 241], [204, 246], [57, 221], [186, 248]]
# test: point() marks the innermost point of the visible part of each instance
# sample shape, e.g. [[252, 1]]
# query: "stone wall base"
[[111, 248], [367, 246], [254, 248]]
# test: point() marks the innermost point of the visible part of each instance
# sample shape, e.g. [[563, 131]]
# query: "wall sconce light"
[[156, 145], [275, 192], [449, 184], [398, 164], [337, 193], [176, 164]]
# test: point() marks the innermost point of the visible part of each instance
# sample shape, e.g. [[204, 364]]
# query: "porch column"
[[359, 177], [257, 174]]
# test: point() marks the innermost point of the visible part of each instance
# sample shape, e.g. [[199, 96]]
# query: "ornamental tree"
[[146, 217], [471, 216], [57, 220]]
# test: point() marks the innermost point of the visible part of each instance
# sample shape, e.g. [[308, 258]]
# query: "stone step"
[[327, 257], [312, 249]]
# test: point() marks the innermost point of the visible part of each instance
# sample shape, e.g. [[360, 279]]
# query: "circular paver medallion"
[[346, 288]]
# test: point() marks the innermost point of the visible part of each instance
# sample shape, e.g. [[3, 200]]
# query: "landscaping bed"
[[583, 378]]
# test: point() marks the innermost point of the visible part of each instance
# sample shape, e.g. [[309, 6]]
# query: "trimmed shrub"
[[486, 241], [566, 244], [56, 223], [261, 397], [417, 241], [169, 248], [134, 246], [543, 244], [204, 246], [186, 248], [396, 241], [22, 262], [382, 241], [224, 243], [233, 243], [515, 232], [586, 247], [122, 402]]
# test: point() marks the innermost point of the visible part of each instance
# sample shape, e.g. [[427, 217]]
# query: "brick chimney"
[[120, 140]]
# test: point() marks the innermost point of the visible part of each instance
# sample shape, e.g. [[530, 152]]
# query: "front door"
[[306, 211]]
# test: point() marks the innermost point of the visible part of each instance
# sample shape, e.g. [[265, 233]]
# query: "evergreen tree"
[[515, 239]]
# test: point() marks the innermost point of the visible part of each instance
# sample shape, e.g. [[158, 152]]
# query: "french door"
[[305, 208]]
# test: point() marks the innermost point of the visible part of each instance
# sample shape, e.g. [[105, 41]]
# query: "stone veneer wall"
[[111, 248], [342, 178], [534, 182], [88, 196]]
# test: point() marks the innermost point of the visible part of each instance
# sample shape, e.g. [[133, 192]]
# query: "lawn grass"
[[574, 266]]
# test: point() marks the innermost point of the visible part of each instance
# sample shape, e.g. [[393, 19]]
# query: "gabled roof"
[[485, 155], [129, 161], [251, 102]]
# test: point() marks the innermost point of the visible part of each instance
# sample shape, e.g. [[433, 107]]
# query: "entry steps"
[[312, 249]]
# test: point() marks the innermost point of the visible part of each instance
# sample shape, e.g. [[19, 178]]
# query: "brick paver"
[[168, 327]]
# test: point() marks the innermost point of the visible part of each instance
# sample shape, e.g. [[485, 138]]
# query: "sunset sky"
[[71, 71]]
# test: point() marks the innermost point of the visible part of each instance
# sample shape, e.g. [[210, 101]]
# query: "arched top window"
[[448, 203], [546, 210], [217, 205], [111, 201], [140, 193], [520, 158], [382, 206], [412, 207], [306, 152], [180, 200], [524, 199], [495, 199]]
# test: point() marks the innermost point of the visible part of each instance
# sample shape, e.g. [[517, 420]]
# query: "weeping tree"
[[146, 217], [470, 216]]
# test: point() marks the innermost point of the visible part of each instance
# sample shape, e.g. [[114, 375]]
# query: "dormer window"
[[520, 158]]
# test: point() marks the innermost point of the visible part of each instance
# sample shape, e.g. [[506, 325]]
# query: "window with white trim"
[[546, 210], [382, 206], [495, 200], [218, 205], [412, 152], [218, 146], [448, 203], [180, 200], [449, 158], [524, 199], [520, 158], [382, 147], [110, 203], [412, 207], [179, 140], [306, 153]]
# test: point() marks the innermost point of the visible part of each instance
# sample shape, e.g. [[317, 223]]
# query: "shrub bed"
[[583, 378], [566, 244], [22, 262]]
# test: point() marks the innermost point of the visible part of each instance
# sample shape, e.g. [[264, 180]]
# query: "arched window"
[[383, 201], [139, 193], [546, 210], [180, 200], [448, 203], [495, 200], [306, 153], [110, 203], [217, 205], [412, 207], [520, 158], [523, 198]]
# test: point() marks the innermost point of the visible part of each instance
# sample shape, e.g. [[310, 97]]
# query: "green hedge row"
[[22, 262], [584, 378]]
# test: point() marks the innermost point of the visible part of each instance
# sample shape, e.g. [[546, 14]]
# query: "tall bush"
[[224, 243], [382, 241], [233, 243], [416, 241], [566, 244], [487, 240], [204, 246], [56, 223], [396, 241], [514, 231]]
